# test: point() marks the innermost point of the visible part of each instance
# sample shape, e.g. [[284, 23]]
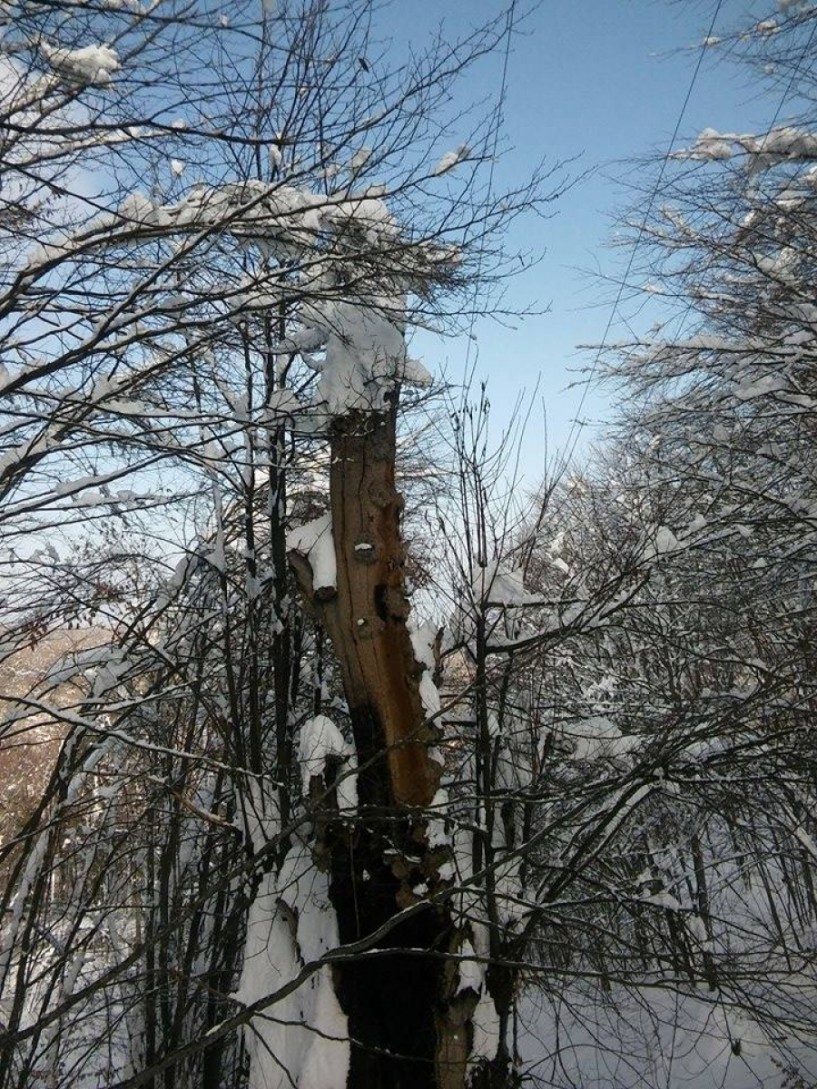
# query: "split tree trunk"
[[408, 1026]]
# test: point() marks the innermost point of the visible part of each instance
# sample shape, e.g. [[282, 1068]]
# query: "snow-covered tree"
[[218, 228], [668, 861], [723, 412], [709, 670]]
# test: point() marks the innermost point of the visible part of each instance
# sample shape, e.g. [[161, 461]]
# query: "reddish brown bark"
[[366, 617]]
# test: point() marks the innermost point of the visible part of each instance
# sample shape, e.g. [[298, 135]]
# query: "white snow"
[[786, 142], [663, 899], [92, 64], [283, 401], [598, 738], [807, 841], [423, 639], [649, 1037], [320, 741], [498, 584], [314, 541], [305, 1034], [486, 1029], [359, 159], [137, 208], [663, 542], [750, 388], [364, 353], [356, 345], [709, 146], [365, 356], [471, 972], [436, 833], [452, 159], [665, 539], [416, 374]]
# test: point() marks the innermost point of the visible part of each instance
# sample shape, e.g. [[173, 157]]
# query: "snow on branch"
[[783, 144], [92, 64], [314, 541], [497, 584], [365, 355], [321, 742]]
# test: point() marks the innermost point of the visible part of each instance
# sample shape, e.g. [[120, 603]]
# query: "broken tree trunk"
[[408, 1025], [366, 616]]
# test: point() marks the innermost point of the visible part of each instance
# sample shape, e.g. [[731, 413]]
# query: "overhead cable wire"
[[573, 434], [497, 125]]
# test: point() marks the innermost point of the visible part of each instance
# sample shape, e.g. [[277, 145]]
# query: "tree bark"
[[366, 617], [408, 1027]]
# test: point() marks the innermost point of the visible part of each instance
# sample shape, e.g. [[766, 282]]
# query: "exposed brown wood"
[[366, 617], [454, 1014]]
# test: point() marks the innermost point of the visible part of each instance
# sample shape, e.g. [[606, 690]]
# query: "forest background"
[[332, 755]]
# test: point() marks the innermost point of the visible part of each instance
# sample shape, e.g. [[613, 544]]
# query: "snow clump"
[[452, 159], [93, 64], [321, 741], [314, 541]]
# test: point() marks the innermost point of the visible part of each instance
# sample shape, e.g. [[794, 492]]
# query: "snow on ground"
[[582, 1036]]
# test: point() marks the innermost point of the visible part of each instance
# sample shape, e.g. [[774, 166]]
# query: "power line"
[[497, 124], [573, 434]]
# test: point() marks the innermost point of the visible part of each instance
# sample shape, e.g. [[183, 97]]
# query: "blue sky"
[[604, 80]]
